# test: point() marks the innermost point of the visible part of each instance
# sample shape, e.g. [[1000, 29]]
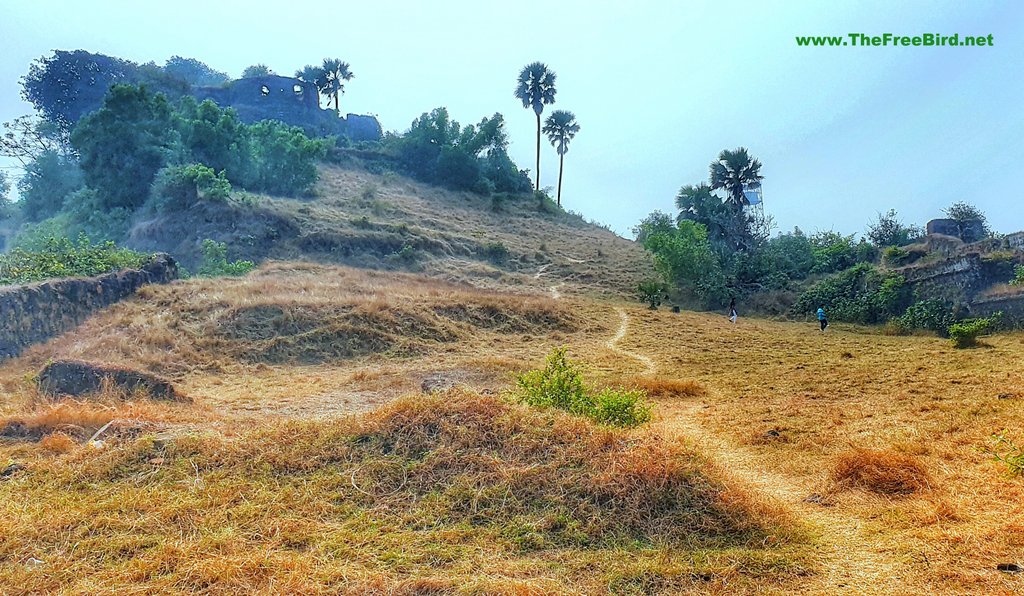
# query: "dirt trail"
[[613, 344], [854, 560]]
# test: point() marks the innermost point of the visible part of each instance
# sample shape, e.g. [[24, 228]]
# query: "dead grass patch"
[[658, 387], [882, 471], [58, 442], [475, 490]]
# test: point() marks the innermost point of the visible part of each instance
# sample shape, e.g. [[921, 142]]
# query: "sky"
[[659, 88]]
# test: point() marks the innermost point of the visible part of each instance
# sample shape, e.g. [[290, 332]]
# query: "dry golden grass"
[[657, 387], [445, 492], [57, 442], [882, 471], [824, 394], [781, 405]]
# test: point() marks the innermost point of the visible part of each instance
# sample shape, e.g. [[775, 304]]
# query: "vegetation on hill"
[[60, 257], [717, 249]]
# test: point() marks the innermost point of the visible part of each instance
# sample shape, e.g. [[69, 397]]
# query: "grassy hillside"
[[392, 222], [779, 459]]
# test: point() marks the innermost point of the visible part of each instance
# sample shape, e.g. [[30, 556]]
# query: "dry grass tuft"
[[73, 418], [882, 471], [424, 495], [57, 442], [659, 387]]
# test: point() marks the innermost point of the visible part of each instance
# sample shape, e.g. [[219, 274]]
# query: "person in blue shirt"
[[822, 318]]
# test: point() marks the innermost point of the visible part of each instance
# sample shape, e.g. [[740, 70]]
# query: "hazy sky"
[[659, 88]]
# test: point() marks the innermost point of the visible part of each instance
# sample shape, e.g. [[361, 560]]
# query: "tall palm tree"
[[535, 88], [336, 73], [731, 171], [561, 127], [314, 75]]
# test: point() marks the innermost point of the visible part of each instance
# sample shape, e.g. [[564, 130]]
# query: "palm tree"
[[731, 171], [312, 74], [535, 88], [336, 73], [561, 127]]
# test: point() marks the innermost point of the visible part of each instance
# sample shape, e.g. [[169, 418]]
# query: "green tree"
[[335, 74], [256, 70], [561, 127], [888, 230], [194, 72], [699, 203], [732, 171], [6, 208], [123, 144], [283, 158], [683, 255], [25, 138], [535, 88], [47, 182], [314, 75], [214, 137], [66, 86], [971, 221]]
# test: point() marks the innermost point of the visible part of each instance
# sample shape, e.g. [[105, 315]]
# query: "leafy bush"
[[931, 314], [965, 333], [861, 294], [439, 150], [560, 385], [888, 230], [61, 257], [1008, 452], [282, 159], [496, 252], [215, 262], [832, 252], [650, 293], [177, 188], [1018, 276]]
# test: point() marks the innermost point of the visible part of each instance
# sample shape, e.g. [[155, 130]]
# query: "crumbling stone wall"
[[958, 279], [291, 101], [36, 312], [1012, 308]]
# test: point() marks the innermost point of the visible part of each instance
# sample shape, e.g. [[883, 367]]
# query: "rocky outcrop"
[[74, 378], [36, 312]]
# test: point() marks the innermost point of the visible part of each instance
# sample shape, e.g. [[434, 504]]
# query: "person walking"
[[822, 319], [732, 310]]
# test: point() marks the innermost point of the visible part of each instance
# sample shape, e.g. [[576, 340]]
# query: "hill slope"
[[391, 222]]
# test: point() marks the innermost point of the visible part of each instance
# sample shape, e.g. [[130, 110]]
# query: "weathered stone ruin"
[[36, 312], [969, 231], [290, 100]]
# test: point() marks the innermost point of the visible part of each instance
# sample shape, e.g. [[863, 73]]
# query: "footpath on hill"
[[852, 559]]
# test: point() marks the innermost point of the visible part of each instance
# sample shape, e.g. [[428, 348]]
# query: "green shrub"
[[861, 294], [407, 254], [931, 314], [620, 407], [965, 333], [177, 188], [1018, 276], [1008, 452], [496, 252], [61, 257], [560, 385], [650, 293], [215, 262]]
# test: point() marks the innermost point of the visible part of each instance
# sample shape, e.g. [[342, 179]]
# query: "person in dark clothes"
[[732, 310]]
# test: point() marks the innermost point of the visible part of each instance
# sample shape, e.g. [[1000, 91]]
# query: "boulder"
[[75, 378]]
